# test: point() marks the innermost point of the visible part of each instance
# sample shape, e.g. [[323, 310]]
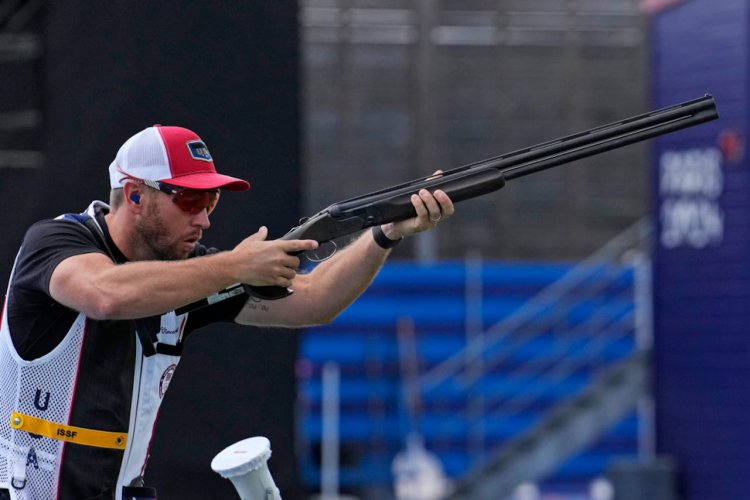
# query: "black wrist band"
[[382, 240]]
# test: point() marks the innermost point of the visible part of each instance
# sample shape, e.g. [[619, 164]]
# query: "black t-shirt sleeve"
[[46, 244], [37, 322]]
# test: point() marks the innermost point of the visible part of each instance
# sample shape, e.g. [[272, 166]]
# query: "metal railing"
[[597, 314]]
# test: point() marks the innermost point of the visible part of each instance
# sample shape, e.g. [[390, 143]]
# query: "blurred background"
[[578, 335]]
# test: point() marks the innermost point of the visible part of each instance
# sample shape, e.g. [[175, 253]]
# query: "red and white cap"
[[174, 155]]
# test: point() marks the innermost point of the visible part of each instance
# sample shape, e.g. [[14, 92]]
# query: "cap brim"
[[209, 180]]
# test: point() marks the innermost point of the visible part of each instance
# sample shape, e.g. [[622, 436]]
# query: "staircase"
[[567, 428], [492, 364]]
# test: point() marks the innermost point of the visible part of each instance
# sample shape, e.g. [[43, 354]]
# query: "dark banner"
[[229, 71], [702, 264]]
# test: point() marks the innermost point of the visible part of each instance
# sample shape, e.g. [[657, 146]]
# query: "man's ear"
[[132, 194]]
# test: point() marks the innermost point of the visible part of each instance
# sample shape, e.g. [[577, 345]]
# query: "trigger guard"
[[326, 251]]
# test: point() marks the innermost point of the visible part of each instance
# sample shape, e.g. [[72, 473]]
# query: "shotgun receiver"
[[486, 176]]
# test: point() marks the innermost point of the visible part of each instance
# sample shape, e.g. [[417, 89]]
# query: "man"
[[100, 303]]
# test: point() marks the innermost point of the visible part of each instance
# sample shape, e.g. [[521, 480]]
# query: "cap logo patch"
[[199, 151]]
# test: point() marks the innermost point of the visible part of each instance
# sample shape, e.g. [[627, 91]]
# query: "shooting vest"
[[37, 399]]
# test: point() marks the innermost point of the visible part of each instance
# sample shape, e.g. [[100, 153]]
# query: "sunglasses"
[[188, 200]]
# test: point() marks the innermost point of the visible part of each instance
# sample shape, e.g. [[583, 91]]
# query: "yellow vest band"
[[69, 433]]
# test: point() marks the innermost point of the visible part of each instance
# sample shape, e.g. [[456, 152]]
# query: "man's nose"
[[201, 219]]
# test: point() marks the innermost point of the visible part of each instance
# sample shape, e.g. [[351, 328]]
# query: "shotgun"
[[483, 177]]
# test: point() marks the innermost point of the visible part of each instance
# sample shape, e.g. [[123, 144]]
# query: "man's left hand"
[[431, 208]]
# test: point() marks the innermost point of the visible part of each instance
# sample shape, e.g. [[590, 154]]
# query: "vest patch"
[[166, 378]]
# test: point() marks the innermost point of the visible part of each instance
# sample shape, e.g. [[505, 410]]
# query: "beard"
[[153, 238]]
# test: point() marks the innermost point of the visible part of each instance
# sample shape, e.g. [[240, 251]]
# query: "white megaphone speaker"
[[244, 463]]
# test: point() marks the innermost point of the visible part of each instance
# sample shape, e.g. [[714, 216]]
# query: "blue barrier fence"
[[374, 416]]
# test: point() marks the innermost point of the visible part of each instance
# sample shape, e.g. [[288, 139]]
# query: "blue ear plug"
[[136, 198]]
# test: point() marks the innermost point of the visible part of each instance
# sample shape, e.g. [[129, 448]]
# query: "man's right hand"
[[260, 262]]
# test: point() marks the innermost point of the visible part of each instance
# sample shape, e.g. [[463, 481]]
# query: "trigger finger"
[[298, 246]]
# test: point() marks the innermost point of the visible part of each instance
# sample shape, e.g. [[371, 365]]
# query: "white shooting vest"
[[45, 388]]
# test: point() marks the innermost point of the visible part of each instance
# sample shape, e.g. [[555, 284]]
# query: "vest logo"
[[167, 331], [199, 151], [66, 433], [31, 459], [166, 378], [38, 400]]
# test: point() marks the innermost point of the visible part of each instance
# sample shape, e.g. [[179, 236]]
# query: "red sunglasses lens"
[[193, 201]]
